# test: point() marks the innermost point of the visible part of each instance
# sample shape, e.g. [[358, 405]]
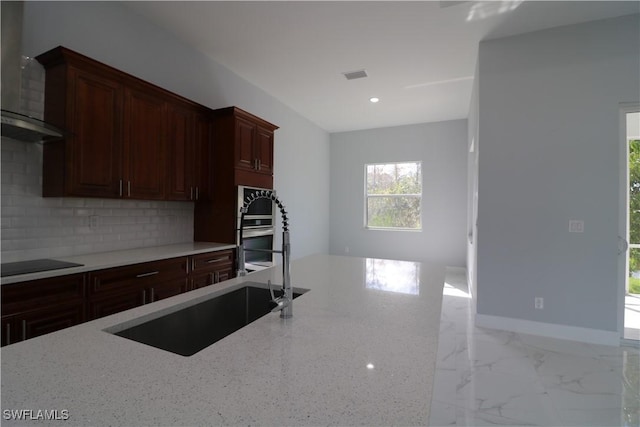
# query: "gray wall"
[[472, 189], [549, 138], [110, 32], [442, 149]]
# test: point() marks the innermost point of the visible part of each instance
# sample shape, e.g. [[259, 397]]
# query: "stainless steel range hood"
[[28, 129], [15, 123]]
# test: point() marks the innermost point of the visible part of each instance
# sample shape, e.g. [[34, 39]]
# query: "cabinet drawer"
[[17, 296], [41, 320], [136, 276], [211, 260]]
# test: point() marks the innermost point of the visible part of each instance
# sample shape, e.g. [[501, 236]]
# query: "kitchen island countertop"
[[360, 350]]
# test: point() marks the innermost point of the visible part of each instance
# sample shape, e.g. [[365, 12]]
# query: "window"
[[394, 195]]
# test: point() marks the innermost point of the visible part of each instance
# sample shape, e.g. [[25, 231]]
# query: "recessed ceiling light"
[[374, 99]]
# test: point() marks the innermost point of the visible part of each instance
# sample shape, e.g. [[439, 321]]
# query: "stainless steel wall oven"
[[258, 228]]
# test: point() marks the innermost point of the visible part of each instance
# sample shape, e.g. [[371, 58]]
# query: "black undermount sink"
[[194, 328]]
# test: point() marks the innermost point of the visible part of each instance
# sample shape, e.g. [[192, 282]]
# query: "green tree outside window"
[[634, 215], [394, 195]]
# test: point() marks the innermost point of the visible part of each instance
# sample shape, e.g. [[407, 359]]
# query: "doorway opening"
[[631, 325]]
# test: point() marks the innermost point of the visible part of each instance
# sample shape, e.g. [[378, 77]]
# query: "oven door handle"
[[254, 232]]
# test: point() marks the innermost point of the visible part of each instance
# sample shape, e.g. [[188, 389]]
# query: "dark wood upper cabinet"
[[188, 148], [180, 148], [89, 161], [125, 138], [203, 161], [252, 138], [144, 154], [245, 142], [242, 155], [95, 116], [264, 150], [245, 153]]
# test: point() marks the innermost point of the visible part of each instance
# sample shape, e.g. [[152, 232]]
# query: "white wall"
[[473, 148], [548, 117], [111, 33], [442, 149]]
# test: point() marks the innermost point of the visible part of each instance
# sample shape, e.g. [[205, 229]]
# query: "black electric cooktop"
[[34, 266]]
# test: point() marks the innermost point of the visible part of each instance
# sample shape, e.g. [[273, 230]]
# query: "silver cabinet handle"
[[151, 273], [24, 330], [153, 294], [120, 191], [129, 188], [211, 261], [197, 194], [259, 164], [144, 296], [212, 278], [8, 333]]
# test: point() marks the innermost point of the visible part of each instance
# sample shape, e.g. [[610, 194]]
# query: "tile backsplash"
[[37, 227]]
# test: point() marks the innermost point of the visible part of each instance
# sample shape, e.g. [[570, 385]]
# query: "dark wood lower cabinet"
[[168, 289], [120, 288], [38, 307], [114, 303], [38, 322], [41, 306], [111, 303], [210, 268]]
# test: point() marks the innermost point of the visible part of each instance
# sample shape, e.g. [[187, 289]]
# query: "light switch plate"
[[576, 226]]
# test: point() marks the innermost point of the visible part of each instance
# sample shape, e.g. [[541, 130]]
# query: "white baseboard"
[[573, 333]]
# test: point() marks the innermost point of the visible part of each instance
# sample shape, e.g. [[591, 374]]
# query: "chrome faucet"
[[284, 303]]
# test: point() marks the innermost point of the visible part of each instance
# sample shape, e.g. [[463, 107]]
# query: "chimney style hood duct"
[[16, 125]]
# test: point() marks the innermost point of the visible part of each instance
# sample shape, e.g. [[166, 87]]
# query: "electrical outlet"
[[576, 226], [539, 303]]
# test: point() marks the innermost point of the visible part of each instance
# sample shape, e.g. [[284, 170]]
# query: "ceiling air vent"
[[352, 75]]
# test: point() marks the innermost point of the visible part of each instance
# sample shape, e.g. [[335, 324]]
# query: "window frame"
[[412, 195]]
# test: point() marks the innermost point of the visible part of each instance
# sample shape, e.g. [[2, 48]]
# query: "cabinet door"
[[264, 150], [37, 307], [203, 161], [49, 319], [144, 161], [9, 331], [180, 149], [115, 303], [224, 274], [167, 289], [245, 144], [201, 280], [94, 145]]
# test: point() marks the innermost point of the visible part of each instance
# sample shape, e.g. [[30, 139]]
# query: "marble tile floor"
[[489, 377]]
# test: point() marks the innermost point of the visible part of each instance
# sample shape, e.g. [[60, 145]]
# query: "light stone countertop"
[[101, 260], [360, 350]]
